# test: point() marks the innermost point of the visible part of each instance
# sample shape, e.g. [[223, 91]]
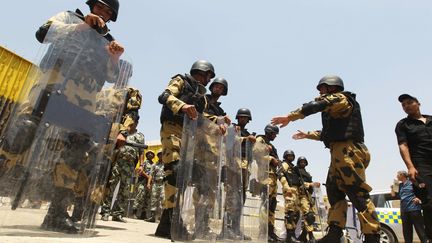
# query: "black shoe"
[[105, 217], [164, 227], [119, 218], [333, 235], [152, 217], [290, 238], [372, 238], [311, 238], [272, 237], [59, 224], [229, 234]]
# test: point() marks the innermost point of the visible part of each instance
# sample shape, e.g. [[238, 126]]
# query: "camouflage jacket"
[[158, 172], [131, 153]]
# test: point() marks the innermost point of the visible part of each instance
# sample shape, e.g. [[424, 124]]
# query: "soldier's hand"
[[121, 140], [190, 111], [94, 20], [274, 162], [280, 120], [413, 173], [316, 184], [227, 120], [251, 138], [222, 129], [299, 135], [139, 171], [115, 49]]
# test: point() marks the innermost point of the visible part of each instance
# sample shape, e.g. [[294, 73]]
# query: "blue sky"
[[272, 53]]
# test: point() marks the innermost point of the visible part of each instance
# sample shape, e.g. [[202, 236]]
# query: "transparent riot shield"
[[232, 193], [56, 150], [198, 212], [321, 210], [255, 211]]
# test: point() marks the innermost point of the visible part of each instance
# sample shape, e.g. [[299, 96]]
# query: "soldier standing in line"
[[121, 173], [343, 133], [142, 203], [271, 132], [290, 182], [157, 194], [79, 88], [243, 117], [185, 95], [305, 199], [134, 100]]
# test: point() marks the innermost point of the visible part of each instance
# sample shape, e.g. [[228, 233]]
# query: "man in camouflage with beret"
[[343, 134], [184, 95], [157, 192], [144, 171], [116, 204]]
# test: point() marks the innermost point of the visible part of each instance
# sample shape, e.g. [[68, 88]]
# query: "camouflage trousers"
[[272, 198], [143, 198], [305, 209], [346, 177], [157, 196], [171, 141], [120, 173], [292, 210]]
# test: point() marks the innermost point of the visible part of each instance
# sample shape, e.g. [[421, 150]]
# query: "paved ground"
[[106, 231]]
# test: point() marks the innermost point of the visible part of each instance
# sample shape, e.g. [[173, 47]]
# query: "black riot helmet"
[[114, 5], [220, 81], [271, 129], [204, 66], [331, 80], [300, 159], [244, 112], [288, 152]]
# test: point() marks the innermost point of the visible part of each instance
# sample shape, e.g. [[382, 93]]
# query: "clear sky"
[[272, 53]]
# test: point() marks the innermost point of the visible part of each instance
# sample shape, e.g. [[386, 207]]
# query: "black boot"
[[372, 238], [302, 237], [311, 238], [78, 209], [202, 224], [290, 238], [164, 226], [119, 218], [57, 218], [152, 218], [333, 235], [272, 236]]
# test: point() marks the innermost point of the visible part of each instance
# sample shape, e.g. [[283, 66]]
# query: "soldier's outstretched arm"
[[315, 135]]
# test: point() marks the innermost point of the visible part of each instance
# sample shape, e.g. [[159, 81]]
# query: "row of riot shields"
[[209, 200], [56, 150]]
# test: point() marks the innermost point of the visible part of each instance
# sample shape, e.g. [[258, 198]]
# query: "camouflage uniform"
[[78, 80], [246, 157], [157, 195], [143, 196], [122, 172], [130, 114], [290, 184], [343, 134], [181, 90], [272, 188]]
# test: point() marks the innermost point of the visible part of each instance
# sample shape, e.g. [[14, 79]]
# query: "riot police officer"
[[184, 95], [270, 133], [342, 132], [290, 182], [306, 200]]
